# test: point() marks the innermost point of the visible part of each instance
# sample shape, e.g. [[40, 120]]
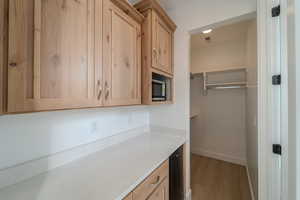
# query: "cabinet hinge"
[[276, 11], [277, 149], [276, 79]]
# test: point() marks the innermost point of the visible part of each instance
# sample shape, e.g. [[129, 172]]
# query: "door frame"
[[265, 111]]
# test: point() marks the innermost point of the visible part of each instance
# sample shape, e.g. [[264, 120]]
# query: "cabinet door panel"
[[64, 62], [162, 192], [162, 45], [51, 48], [3, 53], [123, 59]]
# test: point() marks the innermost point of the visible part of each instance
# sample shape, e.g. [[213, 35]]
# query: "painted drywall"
[[188, 16], [219, 129], [28, 137], [227, 43], [297, 53], [229, 54], [251, 102], [293, 63]]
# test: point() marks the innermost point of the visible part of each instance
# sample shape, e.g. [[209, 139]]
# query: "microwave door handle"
[[157, 81]]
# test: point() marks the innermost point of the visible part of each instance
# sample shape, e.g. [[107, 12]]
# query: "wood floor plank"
[[218, 180]]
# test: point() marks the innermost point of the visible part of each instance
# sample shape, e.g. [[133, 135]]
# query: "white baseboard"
[[250, 183], [188, 195], [219, 156]]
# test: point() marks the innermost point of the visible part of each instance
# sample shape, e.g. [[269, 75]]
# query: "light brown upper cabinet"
[[162, 37], [158, 28], [54, 56], [67, 54], [157, 50], [122, 54]]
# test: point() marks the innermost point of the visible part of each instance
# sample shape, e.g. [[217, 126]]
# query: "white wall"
[[188, 16], [297, 53], [27, 137], [251, 99], [230, 55], [293, 63], [227, 44], [219, 129]]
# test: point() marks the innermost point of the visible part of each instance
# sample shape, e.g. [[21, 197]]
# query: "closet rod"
[[226, 87]]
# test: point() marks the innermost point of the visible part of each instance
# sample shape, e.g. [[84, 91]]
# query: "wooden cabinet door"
[[162, 43], [162, 192], [122, 57], [3, 53], [52, 47]]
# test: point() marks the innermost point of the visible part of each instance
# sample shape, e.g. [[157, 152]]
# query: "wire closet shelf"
[[221, 85]]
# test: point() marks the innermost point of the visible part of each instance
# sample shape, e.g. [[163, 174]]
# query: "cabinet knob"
[[156, 181], [154, 52], [13, 64]]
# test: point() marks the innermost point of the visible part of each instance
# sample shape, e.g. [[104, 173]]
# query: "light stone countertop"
[[109, 174]]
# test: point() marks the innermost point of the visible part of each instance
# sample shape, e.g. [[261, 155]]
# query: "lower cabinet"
[[162, 192], [154, 187]]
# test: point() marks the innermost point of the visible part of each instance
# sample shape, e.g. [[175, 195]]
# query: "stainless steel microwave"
[[159, 90]]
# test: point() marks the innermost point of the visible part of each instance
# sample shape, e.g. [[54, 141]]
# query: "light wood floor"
[[218, 180]]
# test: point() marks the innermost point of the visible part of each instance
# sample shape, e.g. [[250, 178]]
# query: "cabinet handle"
[[100, 90], [13, 64], [100, 94], [155, 54], [107, 90], [107, 94], [156, 181], [159, 53]]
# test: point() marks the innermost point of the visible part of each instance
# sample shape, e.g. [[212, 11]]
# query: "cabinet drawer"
[[151, 182], [162, 192]]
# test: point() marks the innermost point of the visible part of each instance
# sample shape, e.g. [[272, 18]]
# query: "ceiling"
[[232, 32]]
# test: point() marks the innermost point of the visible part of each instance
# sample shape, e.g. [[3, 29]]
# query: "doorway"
[[223, 107]]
